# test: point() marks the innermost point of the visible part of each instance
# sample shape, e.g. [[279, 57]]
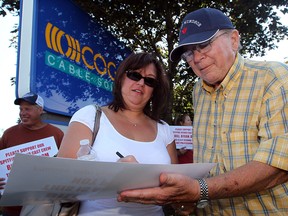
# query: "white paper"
[[183, 136], [37, 179]]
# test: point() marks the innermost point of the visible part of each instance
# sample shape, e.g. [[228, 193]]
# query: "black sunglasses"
[[149, 81]]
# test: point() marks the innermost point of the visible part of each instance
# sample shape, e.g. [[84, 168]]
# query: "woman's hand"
[[128, 159], [182, 151]]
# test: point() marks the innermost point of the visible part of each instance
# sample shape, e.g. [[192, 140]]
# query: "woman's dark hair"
[[158, 102]]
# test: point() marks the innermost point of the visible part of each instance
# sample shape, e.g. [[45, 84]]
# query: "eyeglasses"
[[201, 48], [149, 81]]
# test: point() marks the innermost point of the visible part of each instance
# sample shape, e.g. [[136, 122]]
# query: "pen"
[[119, 154]]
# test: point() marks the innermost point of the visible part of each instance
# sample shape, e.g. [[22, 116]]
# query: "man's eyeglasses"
[[201, 48], [149, 81]]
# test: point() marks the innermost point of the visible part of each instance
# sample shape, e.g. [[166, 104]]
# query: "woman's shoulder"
[[163, 124], [84, 114], [88, 108]]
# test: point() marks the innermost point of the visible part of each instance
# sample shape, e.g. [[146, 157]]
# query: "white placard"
[[36, 179], [43, 147], [183, 136]]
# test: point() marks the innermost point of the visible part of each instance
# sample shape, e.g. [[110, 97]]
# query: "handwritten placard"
[[42, 147], [183, 136]]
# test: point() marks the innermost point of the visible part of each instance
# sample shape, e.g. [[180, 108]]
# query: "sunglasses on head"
[[134, 75]]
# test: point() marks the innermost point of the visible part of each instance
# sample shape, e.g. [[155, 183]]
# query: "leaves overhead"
[[153, 26], [10, 6]]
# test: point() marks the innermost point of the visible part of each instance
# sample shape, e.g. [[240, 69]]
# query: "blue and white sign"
[[65, 56]]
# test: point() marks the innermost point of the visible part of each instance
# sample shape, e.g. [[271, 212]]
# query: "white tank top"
[[107, 142]]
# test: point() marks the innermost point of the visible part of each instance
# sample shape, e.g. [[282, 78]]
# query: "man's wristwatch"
[[203, 201]]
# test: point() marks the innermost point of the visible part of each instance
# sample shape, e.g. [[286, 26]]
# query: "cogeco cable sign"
[[55, 38], [65, 56]]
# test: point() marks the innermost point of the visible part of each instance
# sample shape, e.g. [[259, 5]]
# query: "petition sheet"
[[38, 179]]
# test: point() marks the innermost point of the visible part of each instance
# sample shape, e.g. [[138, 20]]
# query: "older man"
[[240, 123]]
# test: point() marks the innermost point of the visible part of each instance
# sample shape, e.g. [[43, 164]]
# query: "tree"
[[153, 26], [11, 7]]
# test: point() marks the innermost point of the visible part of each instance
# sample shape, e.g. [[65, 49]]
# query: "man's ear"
[[235, 38]]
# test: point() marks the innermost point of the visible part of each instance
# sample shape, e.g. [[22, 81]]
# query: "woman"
[[184, 155], [131, 125]]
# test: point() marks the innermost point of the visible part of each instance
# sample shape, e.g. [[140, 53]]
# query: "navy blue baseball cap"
[[198, 27], [31, 98]]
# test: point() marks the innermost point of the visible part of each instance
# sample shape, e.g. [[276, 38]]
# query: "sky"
[[8, 56], [9, 112]]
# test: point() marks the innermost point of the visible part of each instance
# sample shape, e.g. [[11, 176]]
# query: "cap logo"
[[198, 27], [192, 22], [184, 30]]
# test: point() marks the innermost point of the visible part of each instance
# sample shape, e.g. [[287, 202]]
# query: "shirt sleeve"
[[167, 133], [85, 115], [273, 125]]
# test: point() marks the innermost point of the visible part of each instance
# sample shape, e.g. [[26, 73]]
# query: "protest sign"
[[42, 147], [183, 136]]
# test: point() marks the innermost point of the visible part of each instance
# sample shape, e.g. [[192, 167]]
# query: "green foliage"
[[153, 26], [11, 6]]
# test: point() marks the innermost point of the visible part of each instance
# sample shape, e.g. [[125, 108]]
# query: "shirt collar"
[[234, 73]]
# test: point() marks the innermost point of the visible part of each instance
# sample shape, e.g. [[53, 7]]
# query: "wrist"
[[204, 196]]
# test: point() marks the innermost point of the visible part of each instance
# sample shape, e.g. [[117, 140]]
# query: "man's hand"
[[174, 188]]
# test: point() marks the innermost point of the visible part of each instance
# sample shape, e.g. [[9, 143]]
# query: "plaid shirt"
[[245, 119]]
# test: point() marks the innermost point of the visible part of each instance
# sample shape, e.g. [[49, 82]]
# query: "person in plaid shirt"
[[240, 123]]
